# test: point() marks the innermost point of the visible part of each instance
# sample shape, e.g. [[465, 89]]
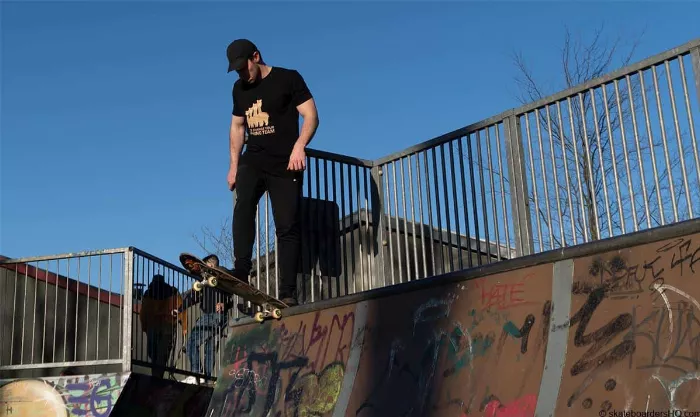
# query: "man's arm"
[[308, 111], [236, 136], [306, 106]]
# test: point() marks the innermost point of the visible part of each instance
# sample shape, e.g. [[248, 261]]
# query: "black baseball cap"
[[238, 53], [211, 256]]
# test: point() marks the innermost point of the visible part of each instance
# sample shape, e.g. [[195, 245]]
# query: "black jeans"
[[285, 190]]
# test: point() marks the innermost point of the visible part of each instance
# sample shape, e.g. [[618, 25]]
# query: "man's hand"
[[231, 178], [297, 160], [219, 307], [307, 110]]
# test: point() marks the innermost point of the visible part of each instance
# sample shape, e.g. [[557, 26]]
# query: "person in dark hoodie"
[[214, 305], [159, 300]]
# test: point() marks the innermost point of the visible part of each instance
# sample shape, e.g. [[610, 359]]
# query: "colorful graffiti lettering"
[[274, 367], [92, 397], [476, 347], [503, 296], [84, 396]]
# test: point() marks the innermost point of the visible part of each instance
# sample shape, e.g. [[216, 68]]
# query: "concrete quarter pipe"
[[607, 329], [599, 329]]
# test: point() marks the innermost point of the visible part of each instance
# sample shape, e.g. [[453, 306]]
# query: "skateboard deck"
[[218, 278]]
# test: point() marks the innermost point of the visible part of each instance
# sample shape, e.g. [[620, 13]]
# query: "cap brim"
[[237, 64]]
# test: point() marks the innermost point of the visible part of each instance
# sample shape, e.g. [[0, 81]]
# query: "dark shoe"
[[239, 275]]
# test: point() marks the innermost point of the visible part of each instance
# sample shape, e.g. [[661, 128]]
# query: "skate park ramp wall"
[[110, 394], [594, 329]]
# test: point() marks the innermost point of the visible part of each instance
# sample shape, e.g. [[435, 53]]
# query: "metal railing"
[[109, 307], [66, 310], [337, 224], [614, 155], [454, 184], [175, 344]]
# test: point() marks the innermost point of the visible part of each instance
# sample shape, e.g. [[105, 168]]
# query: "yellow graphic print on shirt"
[[258, 120]]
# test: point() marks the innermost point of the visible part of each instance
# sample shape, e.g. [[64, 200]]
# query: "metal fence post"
[[128, 306], [695, 59], [377, 199], [518, 187]]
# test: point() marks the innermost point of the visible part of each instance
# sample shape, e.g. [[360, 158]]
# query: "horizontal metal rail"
[[63, 256], [619, 74], [71, 364], [336, 157], [646, 63]]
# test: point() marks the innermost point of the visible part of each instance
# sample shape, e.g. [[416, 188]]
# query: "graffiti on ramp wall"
[[84, 396], [599, 334], [301, 366]]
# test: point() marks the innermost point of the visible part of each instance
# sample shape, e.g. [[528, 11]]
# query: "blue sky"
[[115, 115]]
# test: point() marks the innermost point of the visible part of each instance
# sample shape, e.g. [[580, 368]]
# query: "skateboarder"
[[214, 305], [267, 102]]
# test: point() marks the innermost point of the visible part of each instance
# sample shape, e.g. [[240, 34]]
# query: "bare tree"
[[584, 151], [219, 241]]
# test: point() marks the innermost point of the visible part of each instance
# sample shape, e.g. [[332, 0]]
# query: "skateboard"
[[216, 277]]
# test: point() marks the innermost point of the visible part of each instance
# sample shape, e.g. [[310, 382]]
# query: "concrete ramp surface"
[[599, 329]]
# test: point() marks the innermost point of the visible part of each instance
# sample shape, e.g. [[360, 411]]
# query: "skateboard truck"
[[266, 312], [260, 316], [210, 281]]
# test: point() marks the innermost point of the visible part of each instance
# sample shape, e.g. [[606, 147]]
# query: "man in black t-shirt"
[[267, 102]]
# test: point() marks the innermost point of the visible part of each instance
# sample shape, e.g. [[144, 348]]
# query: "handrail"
[[681, 50], [63, 256], [339, 158], [163, 262], [444, 138]]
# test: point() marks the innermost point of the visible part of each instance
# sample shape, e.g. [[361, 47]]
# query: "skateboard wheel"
[[259, 317], [212, 281], [276, 313], [197, 286]]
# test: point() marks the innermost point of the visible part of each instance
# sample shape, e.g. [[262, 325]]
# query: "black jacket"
[[207, 298]]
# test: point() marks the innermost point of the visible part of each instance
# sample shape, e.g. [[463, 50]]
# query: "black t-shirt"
[[270, 109]]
